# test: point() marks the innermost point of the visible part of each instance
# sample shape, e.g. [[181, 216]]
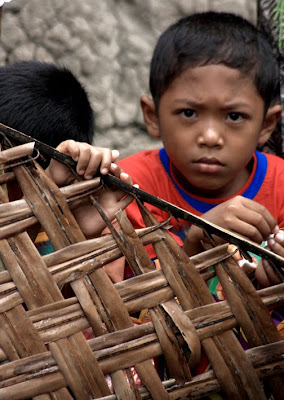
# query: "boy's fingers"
[[127, 178], [84, 161], [106, 160], [276, 245], [270, 274], [69, 147], [114, 155], [279, 237], [116, 170], [91, 159], [246, 226], [260, 222]]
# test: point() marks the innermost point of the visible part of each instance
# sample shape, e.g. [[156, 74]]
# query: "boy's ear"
[[269, 124], [150, 116]]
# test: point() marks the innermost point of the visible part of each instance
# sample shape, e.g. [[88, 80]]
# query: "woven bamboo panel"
[[44, 350]]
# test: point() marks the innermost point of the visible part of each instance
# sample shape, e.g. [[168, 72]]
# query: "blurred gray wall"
[[108, 45]]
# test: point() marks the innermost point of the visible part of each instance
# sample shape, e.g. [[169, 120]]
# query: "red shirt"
[[151, 169]]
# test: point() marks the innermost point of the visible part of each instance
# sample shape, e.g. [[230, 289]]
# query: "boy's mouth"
[[208, 164]]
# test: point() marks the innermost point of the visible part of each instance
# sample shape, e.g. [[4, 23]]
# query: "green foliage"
[[278, 16]]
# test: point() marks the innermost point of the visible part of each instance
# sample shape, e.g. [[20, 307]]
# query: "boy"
[[214, 85], [45, 101]]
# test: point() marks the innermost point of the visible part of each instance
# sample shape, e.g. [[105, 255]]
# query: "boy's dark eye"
[[188, 113], [235, 116]]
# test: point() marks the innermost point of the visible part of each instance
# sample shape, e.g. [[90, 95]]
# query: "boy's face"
[[211, 120]]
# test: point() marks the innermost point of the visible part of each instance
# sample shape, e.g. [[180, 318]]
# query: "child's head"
[[214, 38], [45, 101], [214, 88]]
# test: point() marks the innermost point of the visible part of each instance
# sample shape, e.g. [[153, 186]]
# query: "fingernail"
[[136, 185], [124, 174], [104, 171], [271, 242], [280, 236], [115, 153], [276, 229]]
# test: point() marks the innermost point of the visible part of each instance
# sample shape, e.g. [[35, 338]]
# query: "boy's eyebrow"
[[185, 101], [228, 106]]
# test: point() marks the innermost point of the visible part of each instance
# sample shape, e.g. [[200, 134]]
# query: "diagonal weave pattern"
[[44, 353]]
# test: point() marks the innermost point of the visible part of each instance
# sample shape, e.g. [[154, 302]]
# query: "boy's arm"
[[90, 159]]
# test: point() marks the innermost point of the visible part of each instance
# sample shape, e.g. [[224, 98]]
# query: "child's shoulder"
[[274, 171], [274, 162], [274, 157], [144, 157], [145, 168]]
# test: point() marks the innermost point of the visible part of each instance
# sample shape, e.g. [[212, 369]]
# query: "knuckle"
[[232, 208], [253, 233], [258, 219], [228, 220]]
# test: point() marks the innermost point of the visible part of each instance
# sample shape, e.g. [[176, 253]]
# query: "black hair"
[[214, 38], [45, 101]]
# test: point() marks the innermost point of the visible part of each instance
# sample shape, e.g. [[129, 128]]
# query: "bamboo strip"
[[174, 355], [115, 308], [17, 152], [74, 235], [250, 312], [71, 363], [200, 295], [7, 177], [27, 182], [243, 292], [208, 320], [75, 238], [20, 208], [259, 356], [43, 205], [204, 318], [80, 364], [227, 368], [265, 359], [66, 272]]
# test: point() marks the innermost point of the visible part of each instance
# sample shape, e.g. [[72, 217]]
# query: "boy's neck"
[[220, 193]]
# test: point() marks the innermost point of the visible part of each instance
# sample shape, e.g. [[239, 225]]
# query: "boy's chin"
[[202, 191]]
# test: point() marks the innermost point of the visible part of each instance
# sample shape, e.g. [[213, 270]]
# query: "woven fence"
[[45, 352]]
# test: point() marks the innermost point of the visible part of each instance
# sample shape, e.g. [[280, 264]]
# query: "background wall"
[[108, 45]]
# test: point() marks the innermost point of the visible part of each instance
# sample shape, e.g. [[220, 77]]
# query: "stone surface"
[[108, 46]]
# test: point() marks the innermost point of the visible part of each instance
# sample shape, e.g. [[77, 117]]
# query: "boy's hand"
[[111, 200], [265, 273], [89, 160], [239, 215]]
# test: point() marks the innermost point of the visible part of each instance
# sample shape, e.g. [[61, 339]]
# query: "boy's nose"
[[210, 136]]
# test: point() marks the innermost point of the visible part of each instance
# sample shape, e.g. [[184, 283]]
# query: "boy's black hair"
[[45, 101], [214, 38]]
